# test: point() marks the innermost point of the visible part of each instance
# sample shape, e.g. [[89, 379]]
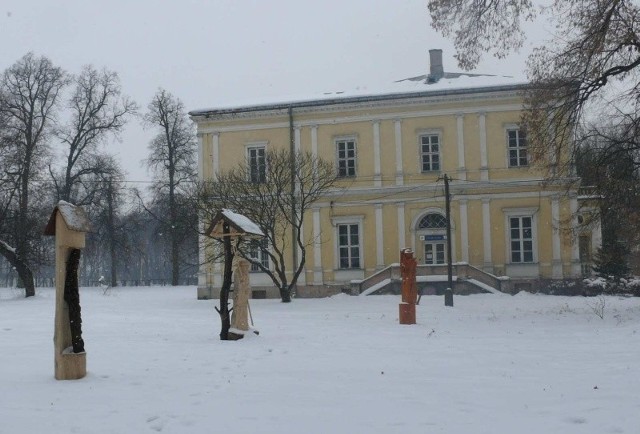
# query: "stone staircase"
[[432, 279]]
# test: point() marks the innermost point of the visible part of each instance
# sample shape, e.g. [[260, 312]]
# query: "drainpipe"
[[292, 150]]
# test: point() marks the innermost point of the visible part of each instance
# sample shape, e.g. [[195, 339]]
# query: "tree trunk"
[[223, 311], [175, 259], [22, 268], [112, 236], [285, 295]]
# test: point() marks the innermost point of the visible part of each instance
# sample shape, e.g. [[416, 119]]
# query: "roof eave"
[[357, 99]]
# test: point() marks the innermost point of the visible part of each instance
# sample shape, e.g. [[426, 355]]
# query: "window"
[[257, 164], [517, 146], [430, 152], [346, 149], [434, 253], [431, 227], [433, 221], [348, 246], [521, 238], [258, 252]]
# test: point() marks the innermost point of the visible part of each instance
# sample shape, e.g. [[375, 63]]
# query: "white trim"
[[347, 220], [428, 133], [260, 257], [296, 138], [346, 138], [314, 149], [431, 210], [217, 274], [216, 153], [464, 230], [416, 233], [482, 127], [556, 260], [485, 108], [200, 157], [397, 123], [402, 236], [317, 248], [377, 176], [413, 194], [202, 269], [314, 140], [513, 127], [521, 212], [255, 145], [344, 219], [486, 234], [576, 268], [596, 237], [379, 237], [460, 142]]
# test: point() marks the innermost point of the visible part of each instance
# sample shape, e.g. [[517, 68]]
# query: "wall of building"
[[390, 193]]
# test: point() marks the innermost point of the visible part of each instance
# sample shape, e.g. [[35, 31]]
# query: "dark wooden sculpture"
[[72, 297]]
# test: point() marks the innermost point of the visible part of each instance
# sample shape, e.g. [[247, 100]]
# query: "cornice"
[[360, 118], [358, 103], [347, 201]]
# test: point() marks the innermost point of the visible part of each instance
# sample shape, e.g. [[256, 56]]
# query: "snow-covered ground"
[[491, 364]]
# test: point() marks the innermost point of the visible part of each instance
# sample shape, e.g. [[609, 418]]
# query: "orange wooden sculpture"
[[408, 266]]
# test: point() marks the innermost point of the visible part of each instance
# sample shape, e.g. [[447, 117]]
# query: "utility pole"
[[448, 293]]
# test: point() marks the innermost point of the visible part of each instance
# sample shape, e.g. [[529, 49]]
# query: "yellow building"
[[391, 148]]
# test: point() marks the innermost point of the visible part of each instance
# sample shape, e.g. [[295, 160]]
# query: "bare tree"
[[105, 199], [584, 82], [608, 163], [29, 92], [481, 26], [172, 159], [591, 61], [266, 198], [98, 111]]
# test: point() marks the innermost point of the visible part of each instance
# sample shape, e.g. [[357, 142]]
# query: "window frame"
[[521, 213], [261, 256], [262, 177], [346, 139], [348, 221], [521, 136], [422, 154]]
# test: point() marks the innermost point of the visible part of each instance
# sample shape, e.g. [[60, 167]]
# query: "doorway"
[[435, 253]]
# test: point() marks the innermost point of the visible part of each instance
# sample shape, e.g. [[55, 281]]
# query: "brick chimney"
[[436, 70]]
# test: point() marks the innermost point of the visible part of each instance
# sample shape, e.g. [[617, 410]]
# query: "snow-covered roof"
[[241, 224], [449, 84], [73, 216]]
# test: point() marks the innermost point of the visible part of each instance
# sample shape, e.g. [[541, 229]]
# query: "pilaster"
[[398, 139]]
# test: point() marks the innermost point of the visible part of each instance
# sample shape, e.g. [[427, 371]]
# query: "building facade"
[[391, 150]]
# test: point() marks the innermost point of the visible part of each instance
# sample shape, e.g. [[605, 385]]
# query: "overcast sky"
[[220, 52]]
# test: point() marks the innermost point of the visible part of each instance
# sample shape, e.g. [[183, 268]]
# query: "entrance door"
[[434, 253]]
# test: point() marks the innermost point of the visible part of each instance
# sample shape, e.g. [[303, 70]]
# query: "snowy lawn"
[[491, 364]]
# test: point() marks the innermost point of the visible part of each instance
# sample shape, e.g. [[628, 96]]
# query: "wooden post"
[[241, 292], [229, 225], [69, 224], [407, 309]]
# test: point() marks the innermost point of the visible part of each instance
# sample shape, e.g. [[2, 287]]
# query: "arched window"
[[433, 221]]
